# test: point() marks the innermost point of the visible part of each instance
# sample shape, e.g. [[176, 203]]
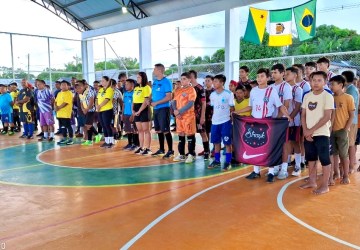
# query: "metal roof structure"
[[88, 15]]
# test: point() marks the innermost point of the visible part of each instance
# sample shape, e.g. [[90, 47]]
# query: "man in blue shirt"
[[161, 95], [6, 103], [353, 91]]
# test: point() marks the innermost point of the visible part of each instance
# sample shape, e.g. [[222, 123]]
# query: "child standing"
[[221, 129], [183, 106], [6, 103], [264, 102], [63, 107], [240, 100]]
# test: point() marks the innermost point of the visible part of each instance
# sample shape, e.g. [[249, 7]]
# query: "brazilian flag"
[[305, 18], [255, 28]]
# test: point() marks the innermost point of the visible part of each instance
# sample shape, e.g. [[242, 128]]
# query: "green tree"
[[249, 51]]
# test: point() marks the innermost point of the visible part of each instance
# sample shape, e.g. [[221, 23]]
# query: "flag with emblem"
[[305, 19], [280, 27], [259, 141], [255, 28]]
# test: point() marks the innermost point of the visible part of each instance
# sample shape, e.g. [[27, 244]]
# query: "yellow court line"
[[123, 185], [30, 166]]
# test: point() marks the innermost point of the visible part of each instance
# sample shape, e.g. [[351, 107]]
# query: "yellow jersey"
[[243, 104], [14, 95], [64, 97], [140, 93], [104, 94]]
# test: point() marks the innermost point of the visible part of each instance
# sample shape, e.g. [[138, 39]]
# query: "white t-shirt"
[[257, 102], [304, 85], [297, 93], [284, 91], [221, 103]]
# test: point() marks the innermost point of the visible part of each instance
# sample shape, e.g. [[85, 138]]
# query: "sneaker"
[[214, 164], [296, 172], [3, 132], [169, 154], [159, 153], [40, 134], [226, 167], [201, 153], [23, 136], [98, 138], [146, 152], [11, 133], [79, 135], [206, 156], [51, 139], [29, 137], [291, 163], [179, 158], [138, 151], [302, 165], [58, 133], [70, 142], [62, 142], [173, 130], [110, 145], [282, 175], [270, 178], [104, 145], [190, 159], [127, 147], [42, 139], [87, 143], [253, 175], [133, 147], [16, 130]]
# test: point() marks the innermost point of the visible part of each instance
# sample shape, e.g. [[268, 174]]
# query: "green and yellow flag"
[[305, 19], [280, 27], [255, 28]]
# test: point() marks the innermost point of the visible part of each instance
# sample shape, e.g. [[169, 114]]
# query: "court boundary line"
[[304, 224], [152, 224]]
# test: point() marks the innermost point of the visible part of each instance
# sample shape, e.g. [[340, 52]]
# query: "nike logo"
[[246, 156]]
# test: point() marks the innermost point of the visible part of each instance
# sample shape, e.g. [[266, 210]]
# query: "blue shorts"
[[221, 132], [7, 118]]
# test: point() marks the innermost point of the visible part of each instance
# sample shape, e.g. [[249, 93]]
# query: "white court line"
[[286, 212], [161, 217]]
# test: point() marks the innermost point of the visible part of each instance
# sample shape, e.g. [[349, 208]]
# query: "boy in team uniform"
[[244, 75], [25, 101], [64, 107], [323, 64], [284, 91], [209, 109], [294, 126], [200, 108], [264, 102], [128, 117], [344, 115], [16, 109], [183, 106], [6, 110], [300, 80], [87, 106], [45, 101], [222, 101], [317, 108]]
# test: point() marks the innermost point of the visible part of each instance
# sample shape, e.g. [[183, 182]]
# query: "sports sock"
[[228, 158], [257, 169], [181, 145], [169, 141], [217, 156], [297, 160], [161, 141]]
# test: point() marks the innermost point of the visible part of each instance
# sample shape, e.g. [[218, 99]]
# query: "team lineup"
[[321, 109]]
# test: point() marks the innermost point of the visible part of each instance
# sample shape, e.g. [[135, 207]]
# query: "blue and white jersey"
[[221, 102]]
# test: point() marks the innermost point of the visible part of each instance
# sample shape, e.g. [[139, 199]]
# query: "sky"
[[203, 38]]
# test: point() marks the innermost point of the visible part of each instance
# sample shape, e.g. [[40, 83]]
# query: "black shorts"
[[208, 126], [143, 116], [162, 120], [89, 118], [129, 127], [294, 134], [26, 117], [319, 148]]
